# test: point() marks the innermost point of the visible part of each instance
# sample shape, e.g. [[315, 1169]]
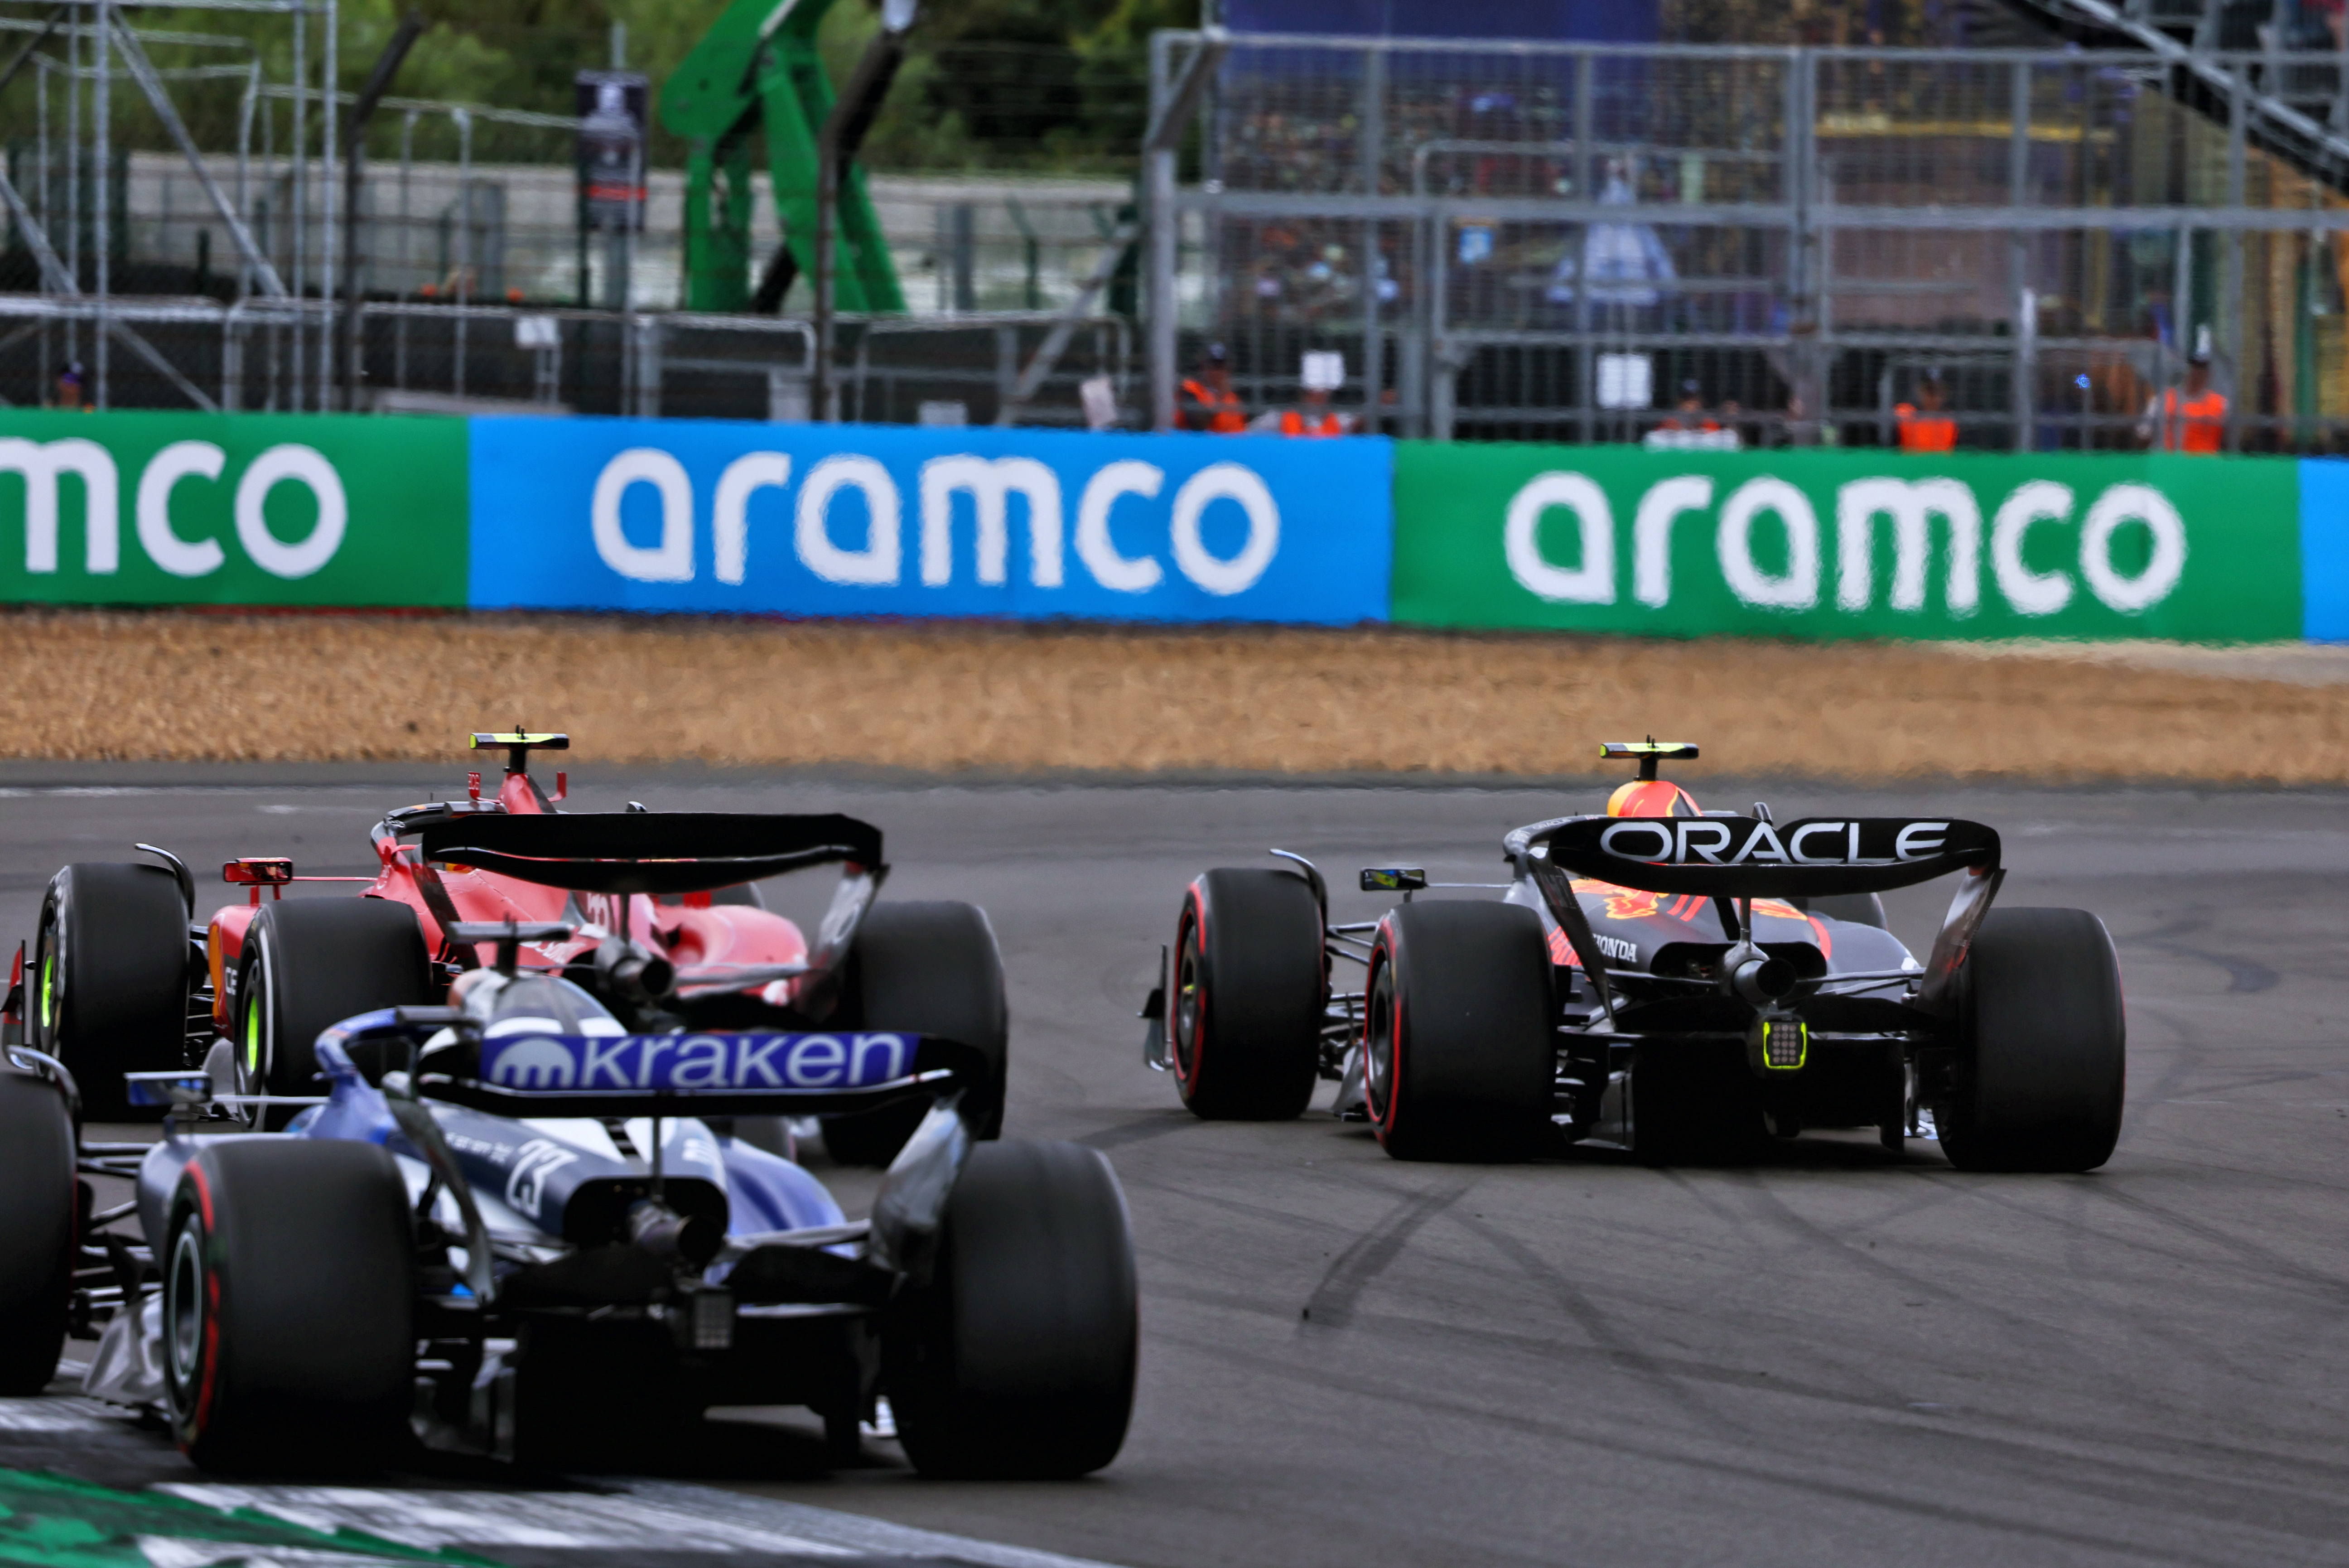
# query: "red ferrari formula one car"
[[126, 977]]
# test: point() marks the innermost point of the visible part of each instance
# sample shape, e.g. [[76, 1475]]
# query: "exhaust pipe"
[[1761, 979], [668, 1235], [628, 969]]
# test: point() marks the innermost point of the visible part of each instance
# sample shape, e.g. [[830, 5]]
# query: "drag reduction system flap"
[[648, 852], [1750, 857]]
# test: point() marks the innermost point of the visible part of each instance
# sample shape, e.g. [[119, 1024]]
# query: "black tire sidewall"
[[39, 1230], [1018, 1358], [2042, 1041], [1473, 1068], [1262, 971], [303, 1265]]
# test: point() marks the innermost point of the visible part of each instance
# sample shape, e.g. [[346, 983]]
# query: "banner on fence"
[[232, 509], [1851, 543], [819, 520]]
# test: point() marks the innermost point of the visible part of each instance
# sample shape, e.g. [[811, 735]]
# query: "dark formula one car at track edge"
[[125, 975], [1673, 983], [512, 1225]]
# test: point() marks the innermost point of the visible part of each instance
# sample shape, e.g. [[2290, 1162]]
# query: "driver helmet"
[[1651, 797]]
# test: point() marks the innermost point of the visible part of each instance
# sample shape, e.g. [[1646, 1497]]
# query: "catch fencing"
[[1550, 242]]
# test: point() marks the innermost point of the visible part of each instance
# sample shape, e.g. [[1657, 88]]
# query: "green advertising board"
[[1871, 543], [233, 509]]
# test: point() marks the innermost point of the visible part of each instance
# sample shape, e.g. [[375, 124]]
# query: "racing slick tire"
[[39, 1211], [310, 964], [1250, 985], [1460, 1044], [926, 968], [2043, 1046], [289, 1301], [110, 980], [1017, 1360]]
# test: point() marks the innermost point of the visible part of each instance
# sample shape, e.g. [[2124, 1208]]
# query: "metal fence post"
[[101, 103], [1586, 370], [2238, 345], [2018, 247], [1370, 131]]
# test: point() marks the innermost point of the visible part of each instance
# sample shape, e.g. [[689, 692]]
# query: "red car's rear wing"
[[650, 852]]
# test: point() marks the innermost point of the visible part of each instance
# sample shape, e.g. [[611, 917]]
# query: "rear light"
[[258, 871]]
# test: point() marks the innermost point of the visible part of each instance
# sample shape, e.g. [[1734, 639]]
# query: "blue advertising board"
[[848, 520]]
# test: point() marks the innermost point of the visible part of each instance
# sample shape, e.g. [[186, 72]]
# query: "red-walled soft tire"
[[1248, 989], [1459, 1042], [289, 1301]]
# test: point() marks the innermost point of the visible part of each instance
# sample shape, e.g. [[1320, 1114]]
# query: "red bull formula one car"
[[126, 976], [1659, 978]]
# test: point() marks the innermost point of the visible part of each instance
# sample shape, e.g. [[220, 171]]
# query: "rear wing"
[[648, 852], [1747, 858], [698, 1074], [1751, 858]]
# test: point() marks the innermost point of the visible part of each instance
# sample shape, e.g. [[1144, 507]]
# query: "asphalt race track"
[[1840, 1357]]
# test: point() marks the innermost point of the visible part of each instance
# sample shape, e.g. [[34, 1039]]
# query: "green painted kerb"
[[1847, 544], [56, 1521], [320, 510]]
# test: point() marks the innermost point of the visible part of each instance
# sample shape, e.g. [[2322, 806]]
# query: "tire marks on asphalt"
[[1331, 1304]]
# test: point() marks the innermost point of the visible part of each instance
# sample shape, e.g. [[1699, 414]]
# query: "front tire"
[[310, 964], [39, 1212], [1018, 1359], [2044, 1053], [926, 968], [110, 980], [1250, 985], [1460, 1047], [289, 1300]]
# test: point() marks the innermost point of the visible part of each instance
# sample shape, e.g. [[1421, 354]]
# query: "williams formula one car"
[[515, 1223], [1662, 980], [125, 976]]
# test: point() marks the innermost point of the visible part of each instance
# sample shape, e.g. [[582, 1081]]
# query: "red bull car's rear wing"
[[1752, 858], [1741, 858]]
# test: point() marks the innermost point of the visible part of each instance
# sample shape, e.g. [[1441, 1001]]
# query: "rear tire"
[[310, 964], [1018, 1358], [39, 1211], [1249, 987], [110, 980], [926, 968], [289, 1299], [2045, 1054], [1460, 1048]]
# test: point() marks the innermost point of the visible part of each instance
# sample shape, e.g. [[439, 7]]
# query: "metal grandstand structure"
[[1799, 232]]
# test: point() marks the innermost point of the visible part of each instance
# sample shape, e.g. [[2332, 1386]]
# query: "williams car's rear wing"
[[707, 1072], [648, 852]]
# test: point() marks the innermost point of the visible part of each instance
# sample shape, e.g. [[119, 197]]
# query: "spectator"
[[2194, 422], [1208, 401], [70, 395], [1928, 429], [1690, 414], [1317, 418]]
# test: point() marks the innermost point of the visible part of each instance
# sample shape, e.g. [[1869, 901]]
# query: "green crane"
[[758, 67]]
